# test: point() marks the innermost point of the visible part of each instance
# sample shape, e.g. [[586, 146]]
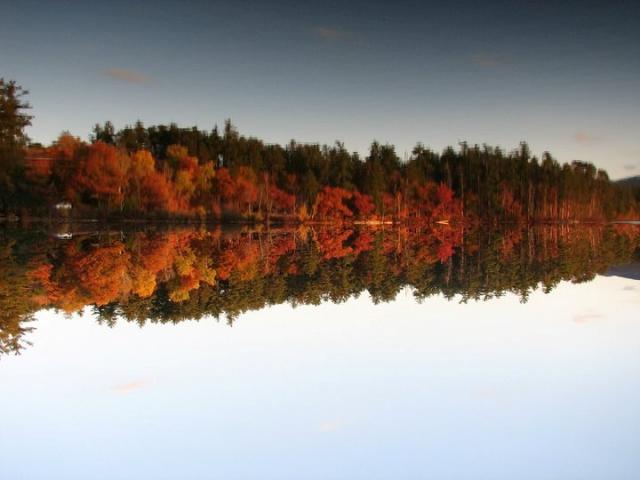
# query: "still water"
[[313, 354]]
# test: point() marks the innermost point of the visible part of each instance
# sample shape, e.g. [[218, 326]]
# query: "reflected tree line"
[[179, 274]]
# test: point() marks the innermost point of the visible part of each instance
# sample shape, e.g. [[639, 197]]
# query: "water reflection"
[[485, 390], [173, 275], [361, 354]]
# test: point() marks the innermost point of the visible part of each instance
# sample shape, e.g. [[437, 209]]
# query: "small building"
[[63, 206]]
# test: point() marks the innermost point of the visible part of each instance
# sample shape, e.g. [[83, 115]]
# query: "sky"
[[484, 390], [563, 76]]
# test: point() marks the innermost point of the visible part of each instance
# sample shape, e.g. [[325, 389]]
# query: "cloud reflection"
[[129, 387], [587, 317], [330, 425]]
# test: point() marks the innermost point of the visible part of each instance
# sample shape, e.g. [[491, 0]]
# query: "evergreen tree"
[[13, 140]]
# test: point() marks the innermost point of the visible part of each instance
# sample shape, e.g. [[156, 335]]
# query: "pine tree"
[[13, 140]]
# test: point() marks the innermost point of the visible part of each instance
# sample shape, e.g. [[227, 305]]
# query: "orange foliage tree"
[[105, 175], [330, 204]]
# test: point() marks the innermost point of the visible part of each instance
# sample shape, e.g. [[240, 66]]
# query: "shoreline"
[[176, 222]]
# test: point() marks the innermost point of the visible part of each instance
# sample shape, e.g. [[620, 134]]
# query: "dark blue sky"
[[565, 76]]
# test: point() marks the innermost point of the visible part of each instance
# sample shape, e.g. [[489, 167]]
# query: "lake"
[[320, 353]]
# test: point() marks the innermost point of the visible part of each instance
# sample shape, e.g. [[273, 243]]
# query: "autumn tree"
[[142, 166], [330, 203], [156, 193], [105, 175], [198, 172], [363, 204]]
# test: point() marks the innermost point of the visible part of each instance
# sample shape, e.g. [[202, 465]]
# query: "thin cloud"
[[328, 33], [129, 387], [586, 138], [330, 426], [488, 392], [630, 167], [587, 317], [486, 60], [129, 76]]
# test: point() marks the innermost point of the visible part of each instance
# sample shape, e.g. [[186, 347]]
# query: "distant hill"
[[633, 182], [630, 271]]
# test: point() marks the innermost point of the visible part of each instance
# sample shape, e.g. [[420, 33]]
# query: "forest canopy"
[[164, 171]]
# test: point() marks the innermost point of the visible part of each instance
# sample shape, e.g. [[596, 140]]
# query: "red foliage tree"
[[105, 174], [281, 201], [363, 204], [156, 193], [330, 203]]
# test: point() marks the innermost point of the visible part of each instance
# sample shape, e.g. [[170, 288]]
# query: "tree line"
[[179, 274], [170, 172]]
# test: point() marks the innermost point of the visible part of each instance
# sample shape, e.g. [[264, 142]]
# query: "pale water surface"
[[548, 389]]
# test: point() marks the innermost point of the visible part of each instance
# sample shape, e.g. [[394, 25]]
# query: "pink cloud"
[[129, 76], [328, 33], [487, 60], [586, 138]]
